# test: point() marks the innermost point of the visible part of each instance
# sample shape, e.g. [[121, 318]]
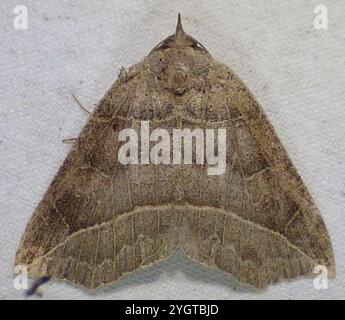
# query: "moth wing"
[[84, 229], [267, 227]]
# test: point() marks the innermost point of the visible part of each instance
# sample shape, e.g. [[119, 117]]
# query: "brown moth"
[[101, 219]]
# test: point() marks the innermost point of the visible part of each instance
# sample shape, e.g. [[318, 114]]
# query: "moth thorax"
[[178, 79]]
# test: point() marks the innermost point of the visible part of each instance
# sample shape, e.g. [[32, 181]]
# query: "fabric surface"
[[295, 71]]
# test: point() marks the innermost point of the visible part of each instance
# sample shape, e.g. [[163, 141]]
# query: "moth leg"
[[80, 104], [69, 140], [34, 287], [72, 140]]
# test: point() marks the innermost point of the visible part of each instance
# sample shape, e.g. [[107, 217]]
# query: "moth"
[[100, 219]]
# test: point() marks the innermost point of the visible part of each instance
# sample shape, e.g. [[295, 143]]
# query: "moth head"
[[179, 39]]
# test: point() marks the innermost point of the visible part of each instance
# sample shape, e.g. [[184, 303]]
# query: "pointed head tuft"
[[179, 40], [179, 29]]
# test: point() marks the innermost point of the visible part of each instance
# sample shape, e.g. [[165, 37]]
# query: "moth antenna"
[[179, 29]]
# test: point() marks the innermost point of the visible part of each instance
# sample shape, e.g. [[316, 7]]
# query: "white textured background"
[[296, 72]]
